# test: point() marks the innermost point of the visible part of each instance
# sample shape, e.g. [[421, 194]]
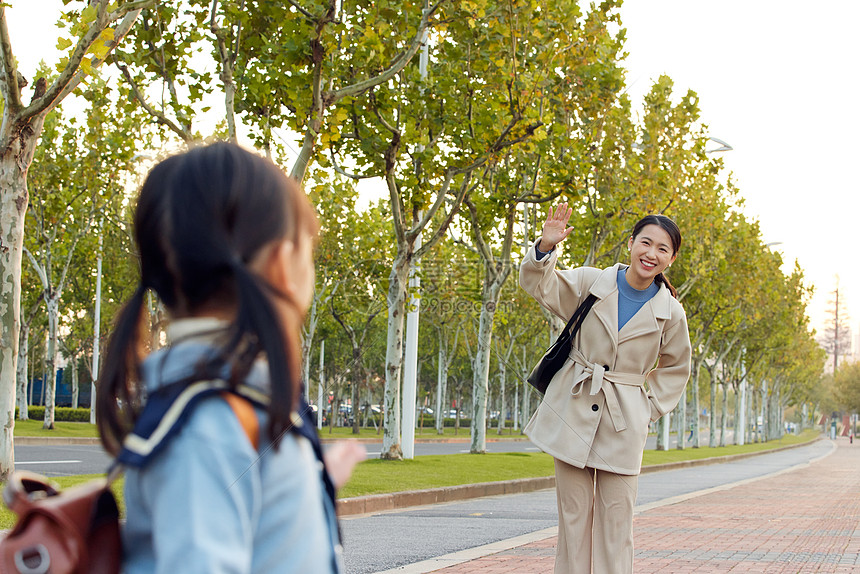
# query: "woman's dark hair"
[[201, 217], [669, 227]]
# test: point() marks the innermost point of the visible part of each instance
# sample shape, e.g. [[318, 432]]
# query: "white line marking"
[[49, 462]]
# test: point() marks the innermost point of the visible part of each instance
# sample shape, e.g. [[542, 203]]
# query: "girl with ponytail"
[[226, 243], [629, 364]]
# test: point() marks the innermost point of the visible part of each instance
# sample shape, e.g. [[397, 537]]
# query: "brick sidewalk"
[[805, 520]]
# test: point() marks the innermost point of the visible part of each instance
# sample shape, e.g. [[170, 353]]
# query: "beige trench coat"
[[598, 406]]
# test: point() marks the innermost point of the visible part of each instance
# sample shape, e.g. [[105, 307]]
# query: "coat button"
[[605, 367], [594, 407]]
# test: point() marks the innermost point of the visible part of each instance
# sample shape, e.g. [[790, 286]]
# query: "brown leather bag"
[[75, 531]]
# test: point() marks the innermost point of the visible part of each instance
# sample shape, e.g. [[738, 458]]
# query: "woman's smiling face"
[[651, 253]]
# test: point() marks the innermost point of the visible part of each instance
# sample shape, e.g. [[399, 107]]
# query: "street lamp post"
[[723, 145]]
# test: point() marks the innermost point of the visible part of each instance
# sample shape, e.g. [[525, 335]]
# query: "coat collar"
[[607, 284], [605, 288]]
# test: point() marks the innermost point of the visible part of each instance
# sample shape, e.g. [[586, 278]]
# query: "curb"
[[396, 500], [720, 459], [54, 440], [391, 501]]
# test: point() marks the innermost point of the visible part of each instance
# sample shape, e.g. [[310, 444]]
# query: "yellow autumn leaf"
[[100, 50], [63, 43], [88, 15]]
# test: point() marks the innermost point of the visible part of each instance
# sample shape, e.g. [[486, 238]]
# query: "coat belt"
[[599, 376]]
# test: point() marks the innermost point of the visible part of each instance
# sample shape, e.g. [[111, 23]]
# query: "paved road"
[[379, 542], [804, 520], [62, 460]]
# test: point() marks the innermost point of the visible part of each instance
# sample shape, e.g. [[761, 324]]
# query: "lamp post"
[[723, 145]]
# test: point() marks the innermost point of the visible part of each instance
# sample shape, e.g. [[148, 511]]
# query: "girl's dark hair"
[[201, 217], [669, 227]]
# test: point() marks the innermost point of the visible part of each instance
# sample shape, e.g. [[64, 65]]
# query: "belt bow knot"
[[605, 380]]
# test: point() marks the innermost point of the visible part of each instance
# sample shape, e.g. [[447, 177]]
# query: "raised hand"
[[555, 227]]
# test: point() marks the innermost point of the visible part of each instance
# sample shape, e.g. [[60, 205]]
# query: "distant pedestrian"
[[226, 242], [595, 416], [689, 438]]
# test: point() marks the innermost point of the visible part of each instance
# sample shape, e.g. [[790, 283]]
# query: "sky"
[[777, 80]]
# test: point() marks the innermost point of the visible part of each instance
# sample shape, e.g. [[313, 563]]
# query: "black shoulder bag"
[[558, 352]]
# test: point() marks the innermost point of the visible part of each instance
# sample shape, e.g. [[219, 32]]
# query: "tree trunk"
[[738, 406], [661, 442], [694, 379], [481, 373], [457, 409], [527, 392], [53, 305], [13, 208], [23, 375], [356, 386], [441, 386], [394, 357], [755, 411], [724, 414], [712, 439], [75, 387], [307, 347], [764, 411], [682, 421], [502, 376], [516, 409]]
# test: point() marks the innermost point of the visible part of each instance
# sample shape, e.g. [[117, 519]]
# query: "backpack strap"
[[244, 411], [167, 410]]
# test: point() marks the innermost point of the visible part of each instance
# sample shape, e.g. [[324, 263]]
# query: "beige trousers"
[[595, 520]]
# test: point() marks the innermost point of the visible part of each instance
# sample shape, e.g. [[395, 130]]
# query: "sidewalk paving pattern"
[[805, 520]]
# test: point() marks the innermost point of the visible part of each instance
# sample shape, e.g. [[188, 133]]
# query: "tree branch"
[[483, 248], [396, 66], [343, 172], [455, 208], [38, 269], [8, 68], [302, 11], [160, 117], [72, 75], [226, 72]]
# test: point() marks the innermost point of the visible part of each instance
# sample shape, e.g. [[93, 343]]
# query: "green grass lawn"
[[61, 429], [426, 432], [377, 476], [66, 429]]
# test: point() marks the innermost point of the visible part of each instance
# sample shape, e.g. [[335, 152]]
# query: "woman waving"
[[629, 364]]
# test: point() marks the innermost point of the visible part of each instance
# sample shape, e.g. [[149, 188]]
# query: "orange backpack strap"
[[244, 411]]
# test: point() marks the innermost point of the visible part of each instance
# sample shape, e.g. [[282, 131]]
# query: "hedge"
[[65, 414]]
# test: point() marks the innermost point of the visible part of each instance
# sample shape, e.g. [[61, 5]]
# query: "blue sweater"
[[211, 503], [630, 300]]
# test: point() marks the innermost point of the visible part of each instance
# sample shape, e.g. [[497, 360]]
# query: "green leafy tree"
[[96, 28], [77, 172]]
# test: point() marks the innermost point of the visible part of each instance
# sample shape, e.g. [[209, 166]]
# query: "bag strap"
[[166, 411], [244, 411], [579, 315]]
